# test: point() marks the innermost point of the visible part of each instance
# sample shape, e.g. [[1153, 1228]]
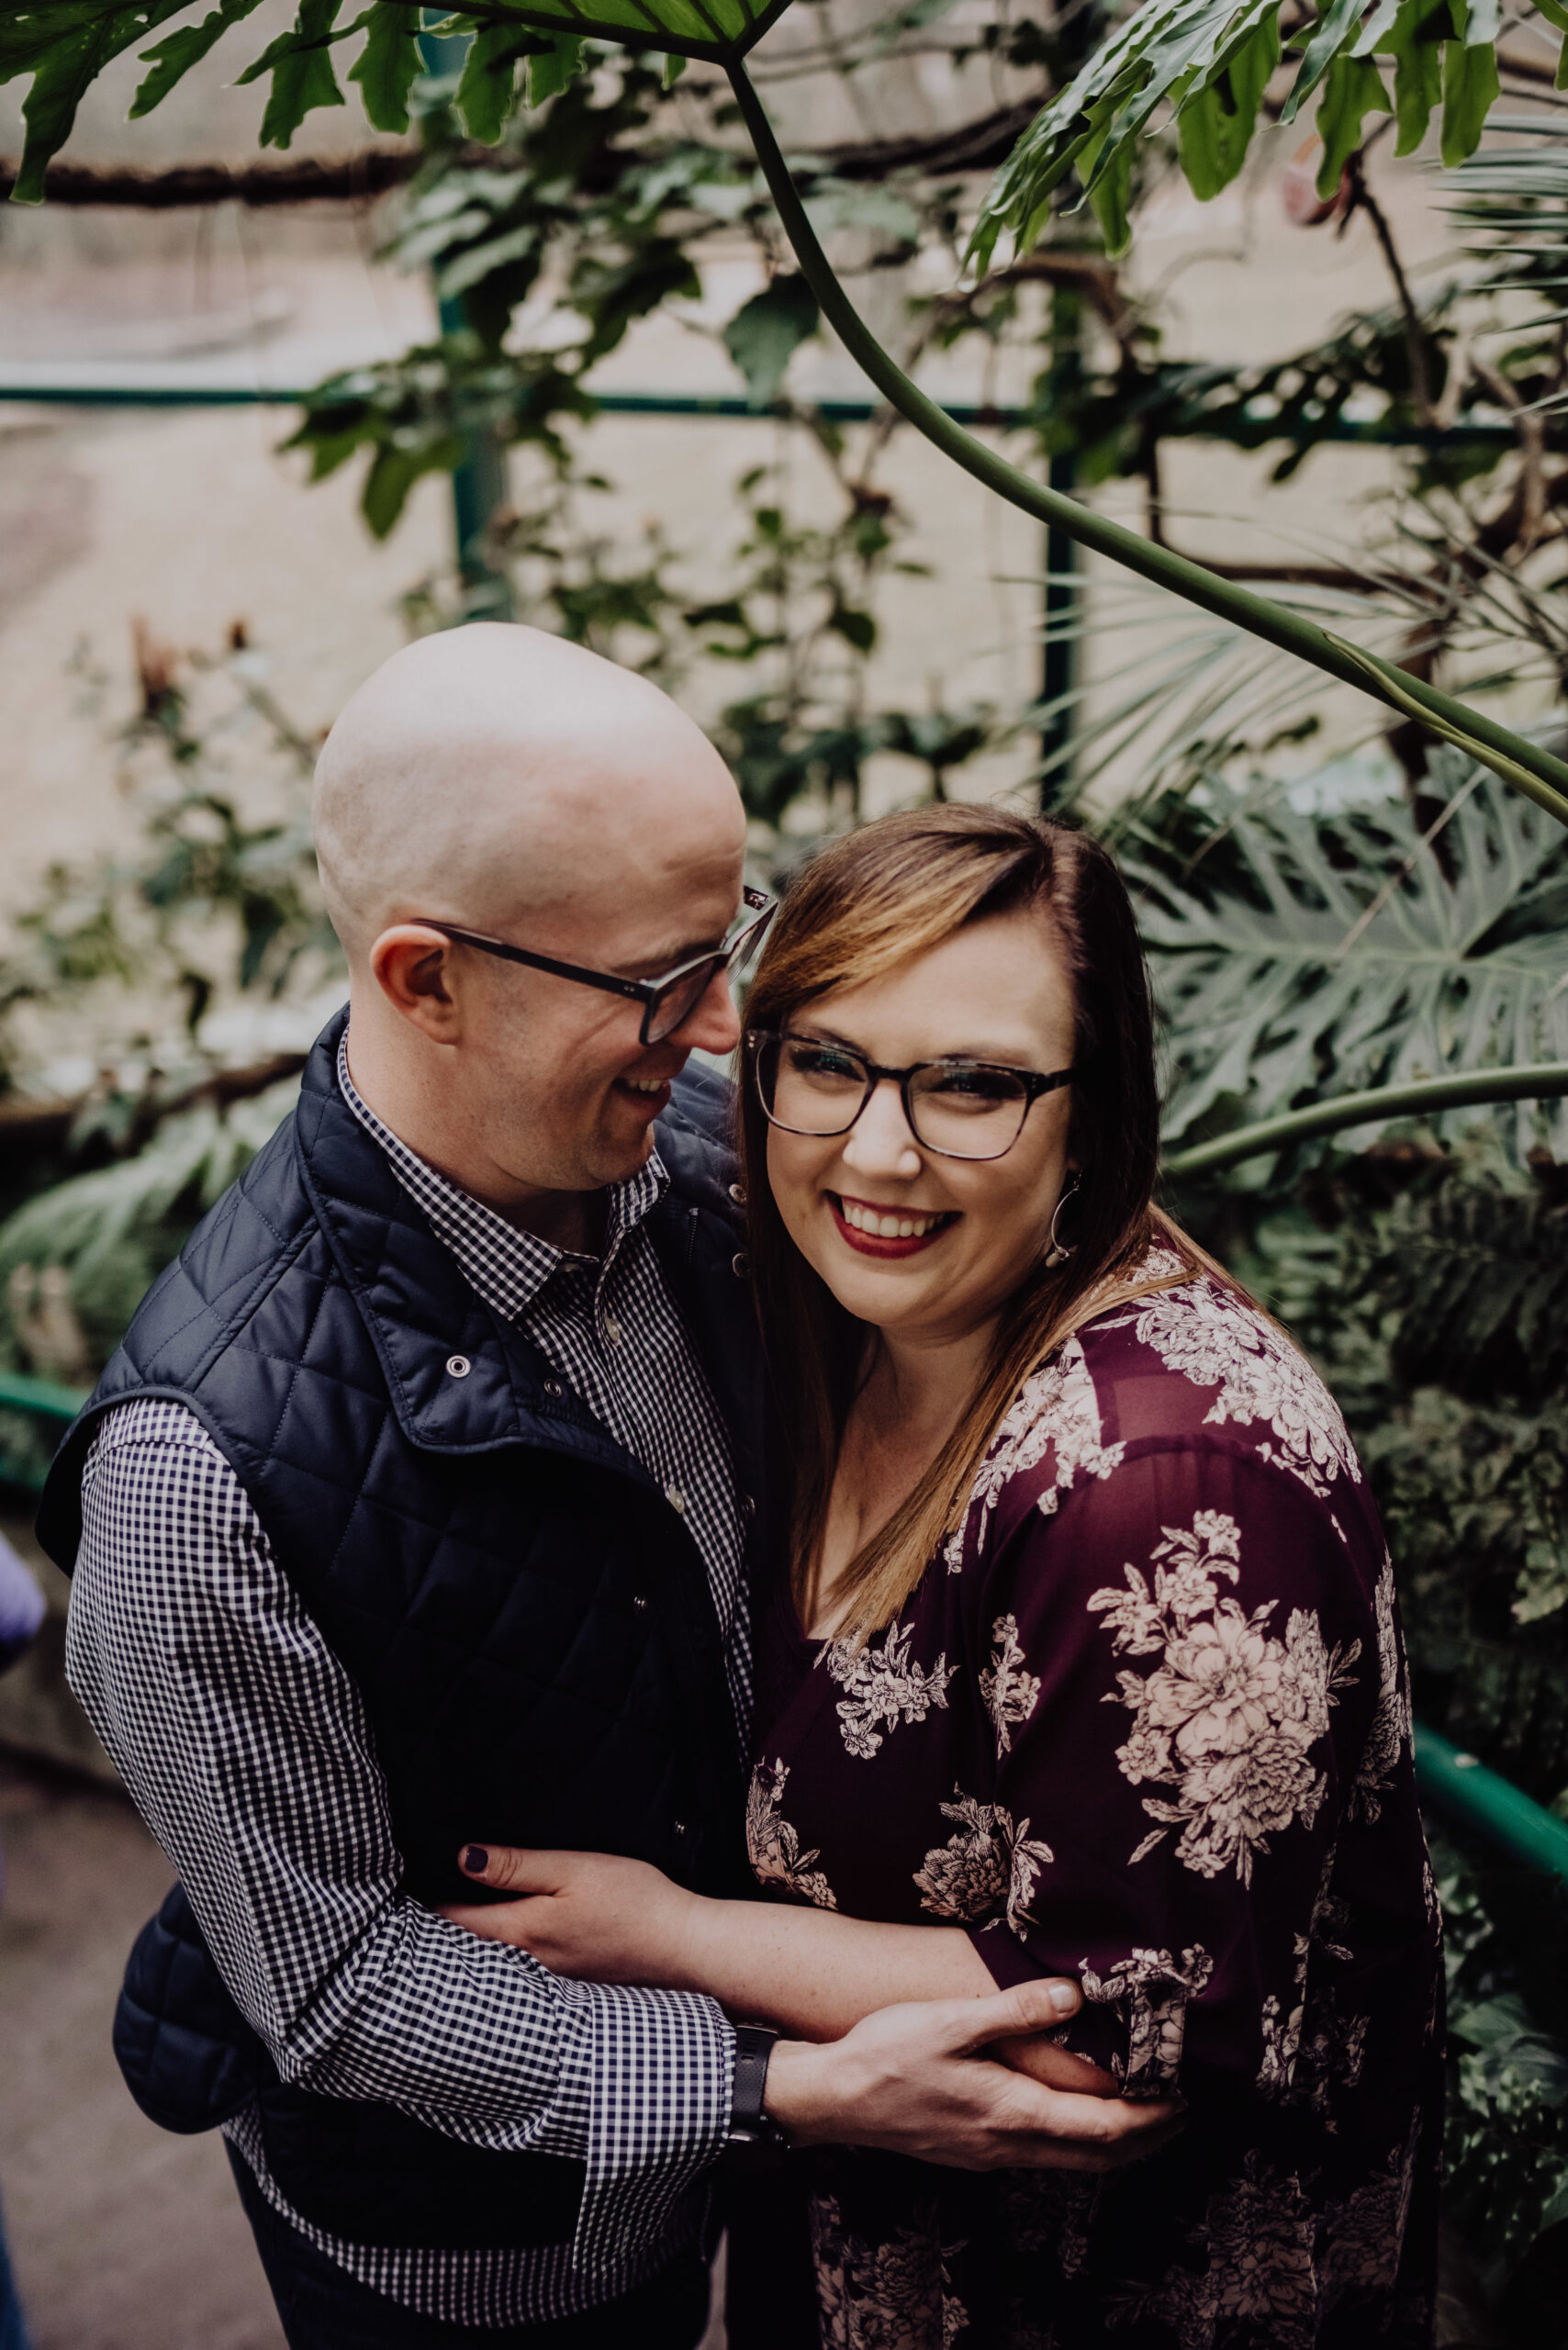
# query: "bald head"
[[497, 776]]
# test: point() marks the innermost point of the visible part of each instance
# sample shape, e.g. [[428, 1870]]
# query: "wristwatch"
[[751, 2133]]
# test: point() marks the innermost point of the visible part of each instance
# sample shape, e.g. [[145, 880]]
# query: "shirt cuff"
[[653, 2076]]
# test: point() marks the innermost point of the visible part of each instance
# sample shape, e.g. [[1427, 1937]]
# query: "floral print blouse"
[[1145, 1722]]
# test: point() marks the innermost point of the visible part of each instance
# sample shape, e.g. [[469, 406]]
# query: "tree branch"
[[977, 146], [1362, 199]]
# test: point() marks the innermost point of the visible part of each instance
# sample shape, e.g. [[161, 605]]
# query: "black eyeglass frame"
[[647, 992], [1035, 1081]]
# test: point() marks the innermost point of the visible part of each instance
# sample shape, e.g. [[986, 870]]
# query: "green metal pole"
[[1525, 764], [1060, 667], [480, 483], [1528, 1081], [1460, 1784]]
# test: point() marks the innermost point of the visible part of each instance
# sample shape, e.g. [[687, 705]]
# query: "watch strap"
[[749, 2125]]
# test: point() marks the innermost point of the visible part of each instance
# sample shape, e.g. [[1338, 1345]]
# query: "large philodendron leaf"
[[64, 45], [1207, 61], [1296, 955]]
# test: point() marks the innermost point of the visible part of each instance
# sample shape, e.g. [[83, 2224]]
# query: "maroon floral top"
[[1145, 1722]]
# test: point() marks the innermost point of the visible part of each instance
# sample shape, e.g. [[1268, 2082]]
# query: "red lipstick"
[[875, 1244]]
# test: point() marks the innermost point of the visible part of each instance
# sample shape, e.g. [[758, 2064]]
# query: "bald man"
[[417, 1507]]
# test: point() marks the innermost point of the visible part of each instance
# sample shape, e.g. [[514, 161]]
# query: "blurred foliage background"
[[1329, 901]]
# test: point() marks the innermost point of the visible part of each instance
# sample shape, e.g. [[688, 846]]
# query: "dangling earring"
[[1057, 1253]]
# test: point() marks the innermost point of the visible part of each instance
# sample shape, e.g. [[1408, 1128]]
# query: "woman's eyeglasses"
[[959, 1109], [668, 1003]]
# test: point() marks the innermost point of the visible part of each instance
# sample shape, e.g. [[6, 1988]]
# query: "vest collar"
[[461, 1378]]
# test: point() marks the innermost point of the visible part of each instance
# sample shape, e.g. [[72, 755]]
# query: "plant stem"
[[1523, 763], [1537, 1080]]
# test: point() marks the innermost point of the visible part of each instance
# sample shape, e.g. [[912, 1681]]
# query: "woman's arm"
[[812, 1973]]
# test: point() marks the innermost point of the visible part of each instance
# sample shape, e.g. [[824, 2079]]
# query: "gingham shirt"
[[244, 1745]]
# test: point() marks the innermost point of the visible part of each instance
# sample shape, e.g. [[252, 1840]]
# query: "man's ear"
[[412, 965]]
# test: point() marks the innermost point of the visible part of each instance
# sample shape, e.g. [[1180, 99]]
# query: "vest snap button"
[[680, 1829], [740, 1265], [458, 1366], [554, 1387], [640, 1601]]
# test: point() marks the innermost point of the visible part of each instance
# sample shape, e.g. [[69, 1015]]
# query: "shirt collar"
[[508, 1268]]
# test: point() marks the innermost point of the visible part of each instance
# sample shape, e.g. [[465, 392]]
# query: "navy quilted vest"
[[526, 1615]]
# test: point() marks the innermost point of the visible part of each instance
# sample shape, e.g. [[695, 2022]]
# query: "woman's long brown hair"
[[891, 891]]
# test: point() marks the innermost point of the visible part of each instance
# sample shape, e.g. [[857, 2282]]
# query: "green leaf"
[[1214, 128], [674, 66], [487, 96], [856, 628], [173, 57], [1470, 90], [301, 68], [553, 68], [721, 30], [1352, 89], [1286, 971], [1332, 35], [765, 333], [393, 472], [1415, 41], [1110, 199], [388, 67], [65, 45], [1167, 50]]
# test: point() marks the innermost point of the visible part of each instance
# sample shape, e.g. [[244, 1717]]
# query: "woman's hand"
[[589, 1915]]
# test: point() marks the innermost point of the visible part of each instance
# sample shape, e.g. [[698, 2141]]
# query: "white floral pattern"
[[892, 2295], [885, 1687], [1391, 1730], [1151, 1988], [1008, 1692], [1274, 2267], [1259, 2285], [773, 1845], [1216, 1339], [990, 1869], [1051, 2210], [1230, 1717], [1313, 2050], [1056, 1407], [1170, 1524]]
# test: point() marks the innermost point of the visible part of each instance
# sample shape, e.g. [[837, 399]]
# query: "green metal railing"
[[1449, 1780]]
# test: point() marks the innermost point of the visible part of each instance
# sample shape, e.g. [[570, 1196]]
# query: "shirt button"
[[640, 1601], [748, 1505], [737, 1193], [680, 1830], [740, 1265], [612, 1330], [675, 1499], [458, 1366]]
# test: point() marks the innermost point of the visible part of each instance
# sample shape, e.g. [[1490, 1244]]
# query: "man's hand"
[[917, 2080]]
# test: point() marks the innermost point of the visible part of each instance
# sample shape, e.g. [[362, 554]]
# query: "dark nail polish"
[[475, 1859]]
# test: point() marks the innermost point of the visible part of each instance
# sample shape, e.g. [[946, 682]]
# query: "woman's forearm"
[[815, 1973]]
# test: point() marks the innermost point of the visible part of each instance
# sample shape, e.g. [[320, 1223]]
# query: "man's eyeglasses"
[[959, 1109], [669, 1002]]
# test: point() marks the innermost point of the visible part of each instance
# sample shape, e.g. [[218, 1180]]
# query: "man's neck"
[[572, 1221]]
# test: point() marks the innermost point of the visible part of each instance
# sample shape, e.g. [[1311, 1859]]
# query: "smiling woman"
[[952, 1020], [1082, 1633]]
